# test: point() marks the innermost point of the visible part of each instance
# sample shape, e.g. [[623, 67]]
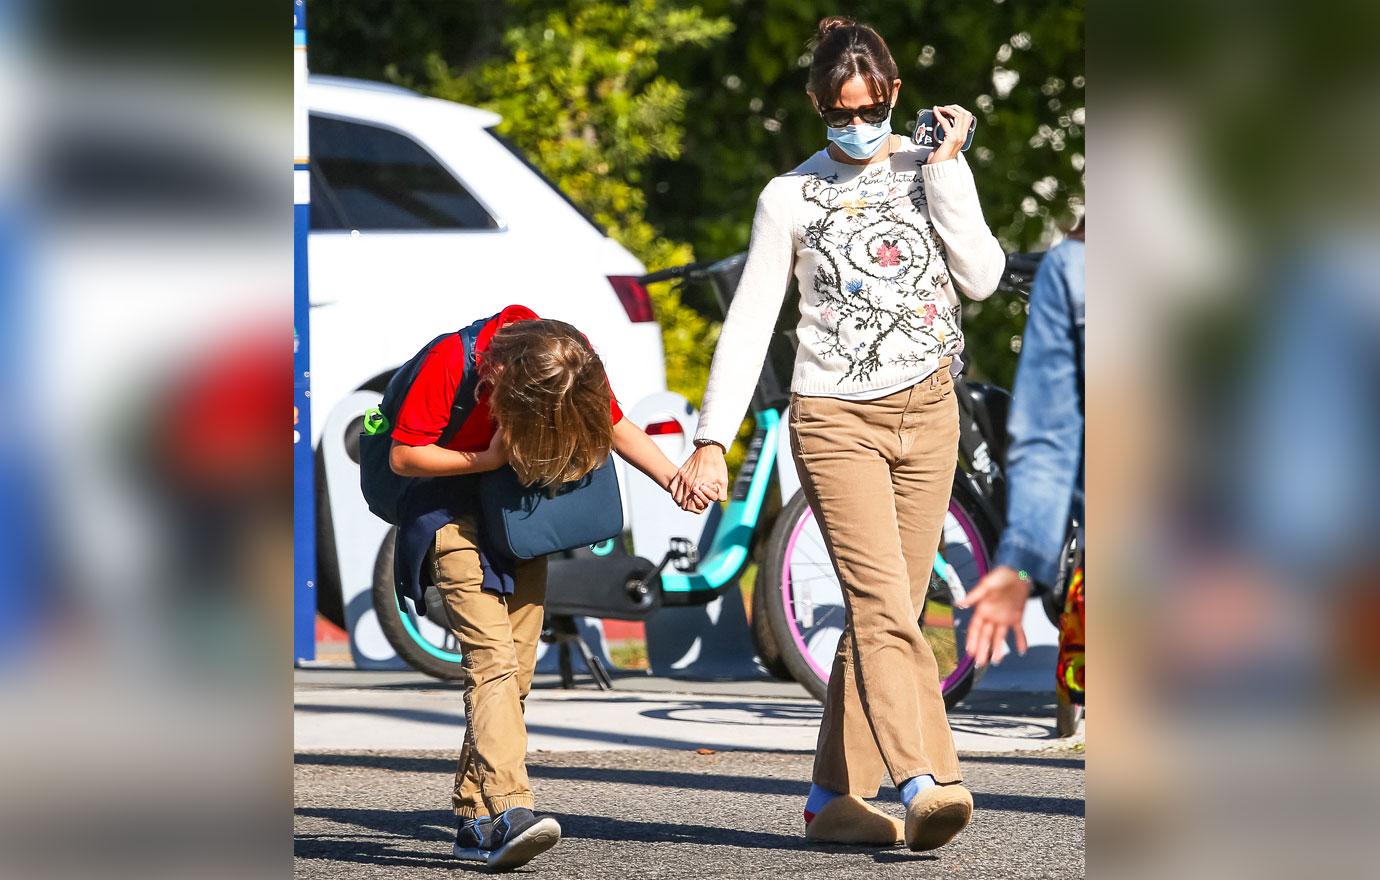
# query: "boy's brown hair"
[[550, 396]]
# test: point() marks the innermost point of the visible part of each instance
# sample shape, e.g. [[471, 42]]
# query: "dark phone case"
[[927, 134]]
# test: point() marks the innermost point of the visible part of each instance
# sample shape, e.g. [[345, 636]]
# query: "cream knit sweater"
[[879, 253]]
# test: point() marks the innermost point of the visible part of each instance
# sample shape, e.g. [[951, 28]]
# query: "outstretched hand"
[[998, 603], [703, 478]]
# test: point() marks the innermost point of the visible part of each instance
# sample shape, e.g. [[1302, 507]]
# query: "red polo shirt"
[[426, 409]]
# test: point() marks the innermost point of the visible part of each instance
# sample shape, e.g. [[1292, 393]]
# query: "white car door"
[[400, 250]]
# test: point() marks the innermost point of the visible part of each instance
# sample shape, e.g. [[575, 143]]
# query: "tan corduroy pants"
[[498, 638], [878, 475]]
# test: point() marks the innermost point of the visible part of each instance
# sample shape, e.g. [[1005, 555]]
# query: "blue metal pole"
[[303, 472]]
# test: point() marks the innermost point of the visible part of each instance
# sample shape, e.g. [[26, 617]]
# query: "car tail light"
[[670, 426], [634, 297]]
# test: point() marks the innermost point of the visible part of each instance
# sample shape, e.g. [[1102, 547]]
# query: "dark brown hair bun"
[[833, 22]]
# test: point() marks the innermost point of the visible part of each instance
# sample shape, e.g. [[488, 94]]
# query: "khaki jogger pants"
[[878, 475], [498, 638]]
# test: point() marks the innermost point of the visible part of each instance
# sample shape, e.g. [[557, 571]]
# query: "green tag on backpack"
[[374, 421]]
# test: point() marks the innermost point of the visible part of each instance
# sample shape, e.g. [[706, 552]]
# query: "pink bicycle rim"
[[979, 557]]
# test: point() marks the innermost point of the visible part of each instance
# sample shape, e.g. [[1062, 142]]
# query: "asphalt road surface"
[[674, 813]]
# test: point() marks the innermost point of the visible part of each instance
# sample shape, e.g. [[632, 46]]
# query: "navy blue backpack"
[[384, 490]]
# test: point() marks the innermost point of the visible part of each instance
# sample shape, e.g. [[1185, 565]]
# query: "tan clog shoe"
[[850, 819], [936, 815]]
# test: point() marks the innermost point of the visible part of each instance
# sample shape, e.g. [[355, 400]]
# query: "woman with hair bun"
[[881, 236]]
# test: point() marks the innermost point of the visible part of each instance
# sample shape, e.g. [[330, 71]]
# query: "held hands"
[[955, 121], [998, 603], [702, 479]]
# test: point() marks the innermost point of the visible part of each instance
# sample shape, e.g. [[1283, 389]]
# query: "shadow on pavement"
[[456, 720], [1029, 760], [406, 827], [403, 763], [370, 853], [681, 780], [414, 825], [989, 725], [1025, 803], [623, 830], [1023, 703], [807, 715]]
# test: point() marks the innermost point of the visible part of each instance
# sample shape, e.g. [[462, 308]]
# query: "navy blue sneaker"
[[473, 839], [518, 836]]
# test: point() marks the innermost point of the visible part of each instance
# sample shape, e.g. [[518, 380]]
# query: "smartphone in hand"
[[929, 133]]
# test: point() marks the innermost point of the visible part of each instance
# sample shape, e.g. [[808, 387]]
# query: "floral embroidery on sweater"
[[879, 256], [880, 271]]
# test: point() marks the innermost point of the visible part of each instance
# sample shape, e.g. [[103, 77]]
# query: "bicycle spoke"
[[833, 612], [807, 624]]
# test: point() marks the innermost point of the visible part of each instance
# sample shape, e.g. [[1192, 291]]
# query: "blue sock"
[[817, 799], [914, 785]]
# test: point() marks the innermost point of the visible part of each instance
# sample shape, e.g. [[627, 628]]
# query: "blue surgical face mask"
[[861, 141]]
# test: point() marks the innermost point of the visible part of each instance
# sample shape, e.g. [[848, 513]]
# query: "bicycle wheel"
[[764, 641], [805, 602], [425, 646]]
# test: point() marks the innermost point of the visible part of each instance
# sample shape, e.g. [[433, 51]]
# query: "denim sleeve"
[[1044, 462]]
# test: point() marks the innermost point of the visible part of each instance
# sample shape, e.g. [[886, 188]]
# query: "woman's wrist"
[[936, 169], [706, 443]]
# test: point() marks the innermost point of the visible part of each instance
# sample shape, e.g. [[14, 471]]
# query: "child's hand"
[[496, 456], [699, 499]]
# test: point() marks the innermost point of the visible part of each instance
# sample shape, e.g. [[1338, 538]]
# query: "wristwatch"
[[705, 441]]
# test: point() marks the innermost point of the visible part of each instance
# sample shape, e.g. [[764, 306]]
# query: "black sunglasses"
[[841, 117]]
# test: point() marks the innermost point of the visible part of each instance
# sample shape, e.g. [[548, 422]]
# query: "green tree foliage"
[[1017, 64], [579, 87], [392, 39]]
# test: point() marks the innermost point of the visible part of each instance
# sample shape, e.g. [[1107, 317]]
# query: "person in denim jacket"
[[1045, 461]]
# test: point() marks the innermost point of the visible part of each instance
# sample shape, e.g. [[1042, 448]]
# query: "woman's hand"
[[998, 603], [705, 473], [956, 122]]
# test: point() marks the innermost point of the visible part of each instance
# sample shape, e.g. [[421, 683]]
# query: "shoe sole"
[[941, 826], [526, 846], [470, 854], [844, 841]]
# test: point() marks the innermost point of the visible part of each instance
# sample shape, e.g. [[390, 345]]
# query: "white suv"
[[422, 220]]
